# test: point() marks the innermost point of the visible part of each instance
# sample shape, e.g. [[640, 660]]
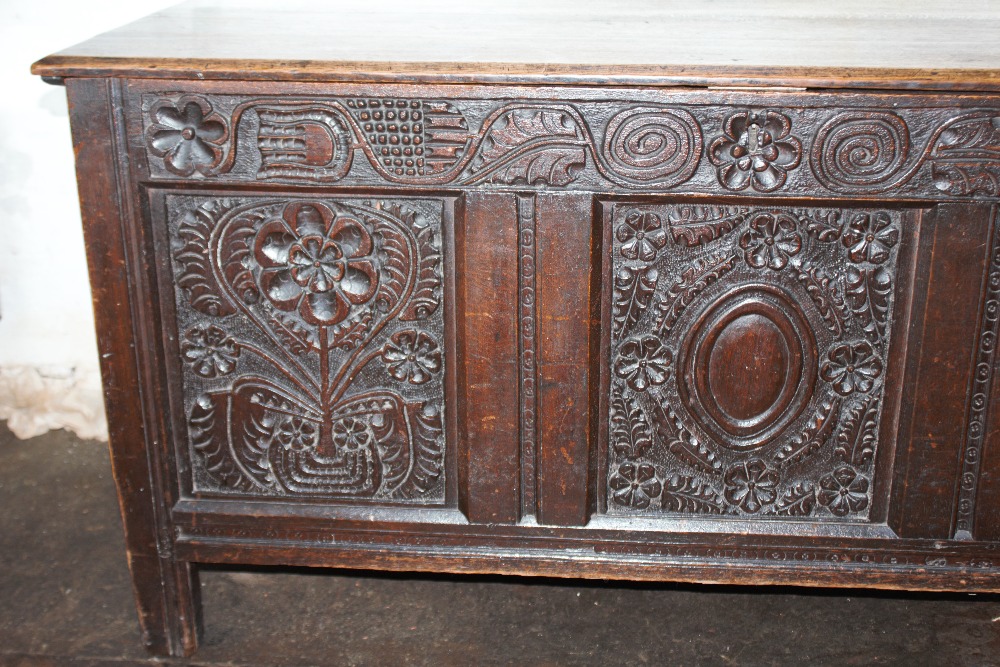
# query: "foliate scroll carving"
[[966, 158], [532, 146], [748, 358], [878, 145], [312, 345]]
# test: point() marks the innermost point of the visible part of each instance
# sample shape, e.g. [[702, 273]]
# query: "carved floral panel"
[[762, 144], [311, 339], [749, 348]]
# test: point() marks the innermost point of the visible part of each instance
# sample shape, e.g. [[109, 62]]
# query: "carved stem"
[[325, 448], [311, 390]]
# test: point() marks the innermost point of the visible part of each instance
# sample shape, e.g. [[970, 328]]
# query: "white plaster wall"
[[48, 357]]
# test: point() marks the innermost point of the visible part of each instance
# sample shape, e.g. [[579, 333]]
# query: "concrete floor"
[[65, 600]]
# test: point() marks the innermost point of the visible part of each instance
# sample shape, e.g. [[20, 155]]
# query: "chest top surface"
[[920, 45]]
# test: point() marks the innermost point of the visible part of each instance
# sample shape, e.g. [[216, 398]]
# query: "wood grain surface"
[[856, 44]]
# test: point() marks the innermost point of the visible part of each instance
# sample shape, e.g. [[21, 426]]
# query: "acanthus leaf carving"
[[813, 437], [797, 500], [633, 293], [533, 146], [211, 442], [693, 280], [696, 225], [682, 443], [857, 438], [630, 433], [868, 292], [686, 494], [196, 277], [822, 290]]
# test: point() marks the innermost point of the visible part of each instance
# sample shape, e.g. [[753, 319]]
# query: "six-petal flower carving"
[[350, 434], [755, 150], [210, 351], [635, 485], [852, 368], [316, 263], [843, 491], [641, 235], [770, 241], [412, 356], [869, 237], [750, 485], [296, 433], [189, 137], [643, 362]]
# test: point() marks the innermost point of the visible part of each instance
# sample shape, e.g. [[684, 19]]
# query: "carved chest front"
[[621, 331]]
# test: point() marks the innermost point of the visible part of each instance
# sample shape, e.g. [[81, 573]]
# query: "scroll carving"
[[905, 151]]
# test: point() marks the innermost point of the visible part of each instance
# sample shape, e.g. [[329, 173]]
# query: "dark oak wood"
[[358, 309], [648, 43], [166, 588]]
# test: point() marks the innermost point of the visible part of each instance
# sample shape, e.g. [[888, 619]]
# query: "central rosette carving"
[[316, 264]]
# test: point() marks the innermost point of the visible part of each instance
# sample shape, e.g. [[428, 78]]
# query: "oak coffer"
[[681, 294]]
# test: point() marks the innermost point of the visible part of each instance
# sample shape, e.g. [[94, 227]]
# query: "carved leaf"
[[686, 494], [234, 255], [682, 443], [857, 439], [696, 225], [210, 441], [426, 432], [533, 146], [798, 500], [351, 332], [196, 277], [823, 292], [813, 437], [630, 433], [425, 297], [970, 138], [967, 178], [296, 338], [868, 293], [693, 281], [633, 293], [395, 266], [825, 226]]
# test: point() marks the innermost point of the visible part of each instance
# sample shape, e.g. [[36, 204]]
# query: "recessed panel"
[[749, 349], [311, 342]]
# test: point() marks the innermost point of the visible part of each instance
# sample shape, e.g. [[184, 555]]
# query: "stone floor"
[[65, 600]]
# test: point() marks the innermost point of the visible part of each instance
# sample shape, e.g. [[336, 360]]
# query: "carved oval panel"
[[748, 366]]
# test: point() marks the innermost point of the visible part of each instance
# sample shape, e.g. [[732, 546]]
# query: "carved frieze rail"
[[311, 341], [749, 350], [803, 146]]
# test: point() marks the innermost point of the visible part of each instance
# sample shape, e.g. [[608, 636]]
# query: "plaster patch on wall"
[[34, 400]]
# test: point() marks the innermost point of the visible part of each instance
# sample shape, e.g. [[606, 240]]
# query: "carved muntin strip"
[[528, 349], [980, 397]]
